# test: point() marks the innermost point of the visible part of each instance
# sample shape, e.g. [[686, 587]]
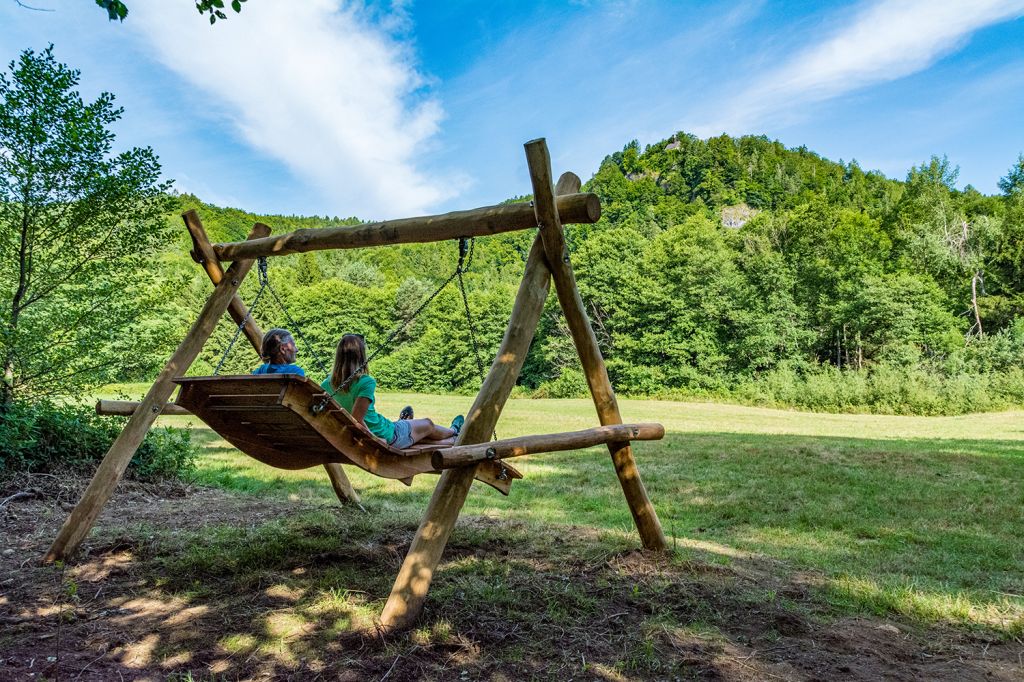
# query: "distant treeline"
[[728, 267]]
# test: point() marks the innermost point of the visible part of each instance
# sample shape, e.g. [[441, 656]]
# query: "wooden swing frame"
[[548, 260]]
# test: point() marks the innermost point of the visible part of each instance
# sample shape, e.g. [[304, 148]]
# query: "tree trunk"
[[974, 303], [7, 391]]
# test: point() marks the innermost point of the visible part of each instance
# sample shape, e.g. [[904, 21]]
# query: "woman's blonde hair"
[[349, 361]]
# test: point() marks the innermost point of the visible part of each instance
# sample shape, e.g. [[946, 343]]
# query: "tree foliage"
[[729, 266], [76, 222]]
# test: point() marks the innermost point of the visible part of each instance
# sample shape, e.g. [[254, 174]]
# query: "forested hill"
[[730, 267]]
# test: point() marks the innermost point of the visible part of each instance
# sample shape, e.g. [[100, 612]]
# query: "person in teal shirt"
[[278, 352], [354, 389]]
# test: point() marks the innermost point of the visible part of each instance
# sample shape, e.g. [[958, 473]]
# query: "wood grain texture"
[[479, 222], [126, 408], [202, 253], [464, 455], [644, 514], [410, 589], [270, 417]]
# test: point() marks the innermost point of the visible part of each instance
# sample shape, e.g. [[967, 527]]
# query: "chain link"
[[292, 324], [261, 268], [466, 250]]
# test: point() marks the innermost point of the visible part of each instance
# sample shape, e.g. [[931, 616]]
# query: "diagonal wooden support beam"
[[644, 514], [81, 520], [204, 254], [410, 590]]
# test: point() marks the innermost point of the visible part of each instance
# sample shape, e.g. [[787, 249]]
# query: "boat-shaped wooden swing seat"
[[288, 422], [270, 417]]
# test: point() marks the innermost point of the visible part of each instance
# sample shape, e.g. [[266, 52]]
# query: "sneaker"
[[406, 412], [457, 424]]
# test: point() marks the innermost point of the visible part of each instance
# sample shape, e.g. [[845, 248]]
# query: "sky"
[[387, 110]]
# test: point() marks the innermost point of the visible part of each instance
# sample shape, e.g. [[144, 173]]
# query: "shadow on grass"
[[297, 597], [925, 528], [777, 539]]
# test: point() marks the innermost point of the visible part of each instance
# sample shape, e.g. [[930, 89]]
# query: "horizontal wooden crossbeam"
[[126, 408], [464, 455], [478, 222]]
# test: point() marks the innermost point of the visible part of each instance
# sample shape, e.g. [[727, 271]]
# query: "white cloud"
[[885, 40], [320, 85]]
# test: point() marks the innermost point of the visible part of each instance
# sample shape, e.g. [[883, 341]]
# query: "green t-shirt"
[[364, 387]]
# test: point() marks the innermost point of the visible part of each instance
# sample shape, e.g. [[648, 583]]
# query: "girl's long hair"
[[349, 361]]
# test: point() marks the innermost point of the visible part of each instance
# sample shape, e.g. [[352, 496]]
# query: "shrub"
[[571, 383], [884, 388], [44, 436]]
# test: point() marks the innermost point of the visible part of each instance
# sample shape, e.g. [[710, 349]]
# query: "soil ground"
[[506, 604]]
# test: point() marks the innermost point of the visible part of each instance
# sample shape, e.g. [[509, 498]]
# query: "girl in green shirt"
[[353, 388]]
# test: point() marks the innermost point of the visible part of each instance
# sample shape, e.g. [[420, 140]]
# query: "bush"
[[884, 388], [44, 436], [571, 383]]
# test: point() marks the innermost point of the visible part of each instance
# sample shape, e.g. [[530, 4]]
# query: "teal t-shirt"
[[364, 387]]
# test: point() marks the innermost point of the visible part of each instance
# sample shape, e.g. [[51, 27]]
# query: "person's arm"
[[359, 409]]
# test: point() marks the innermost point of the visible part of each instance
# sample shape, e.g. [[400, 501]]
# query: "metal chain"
[[463, 265], [469, 322], [292, 324], [472, 334], [261, 268]]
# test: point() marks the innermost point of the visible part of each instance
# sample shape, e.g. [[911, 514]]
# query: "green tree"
[[899, 317], [1013, 183], [75, 222], [1006, 274]]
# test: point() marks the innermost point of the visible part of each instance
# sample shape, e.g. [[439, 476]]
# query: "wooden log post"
[[644, 514], [126, 408], [204, 254], [342, 487], [478, 222], [81, 520], [464, 455], [410, 590]]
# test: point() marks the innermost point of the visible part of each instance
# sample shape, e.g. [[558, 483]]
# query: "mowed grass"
[[915, 517]]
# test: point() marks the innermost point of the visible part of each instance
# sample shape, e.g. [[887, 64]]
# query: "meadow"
[[915, 516], [803, 546]]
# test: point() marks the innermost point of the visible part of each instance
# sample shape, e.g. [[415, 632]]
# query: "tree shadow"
[[788, 551], [296, 598]]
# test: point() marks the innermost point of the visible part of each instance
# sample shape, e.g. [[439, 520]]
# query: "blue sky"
[[384, 110]]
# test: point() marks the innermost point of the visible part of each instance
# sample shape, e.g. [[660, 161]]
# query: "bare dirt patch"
[[147, 599]]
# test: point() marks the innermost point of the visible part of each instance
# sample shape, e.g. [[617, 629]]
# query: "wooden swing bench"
[[272, 417], [275, 419]]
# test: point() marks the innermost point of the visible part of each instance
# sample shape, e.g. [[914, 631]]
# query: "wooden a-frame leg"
[[410, 590], [342, 486], [644, 514], [203, 253], [81, 520]]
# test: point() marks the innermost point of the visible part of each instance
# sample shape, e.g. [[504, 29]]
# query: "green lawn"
[[919, 517]]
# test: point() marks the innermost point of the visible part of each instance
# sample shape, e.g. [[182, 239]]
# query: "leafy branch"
[[117, 10]]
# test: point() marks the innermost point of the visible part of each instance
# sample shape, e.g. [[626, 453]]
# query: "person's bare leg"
[[426, 429]]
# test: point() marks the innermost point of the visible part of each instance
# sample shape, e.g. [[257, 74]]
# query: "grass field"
[[805, 547], [915, 516]]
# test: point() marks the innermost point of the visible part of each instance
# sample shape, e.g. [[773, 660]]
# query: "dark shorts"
[[403, 434]]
